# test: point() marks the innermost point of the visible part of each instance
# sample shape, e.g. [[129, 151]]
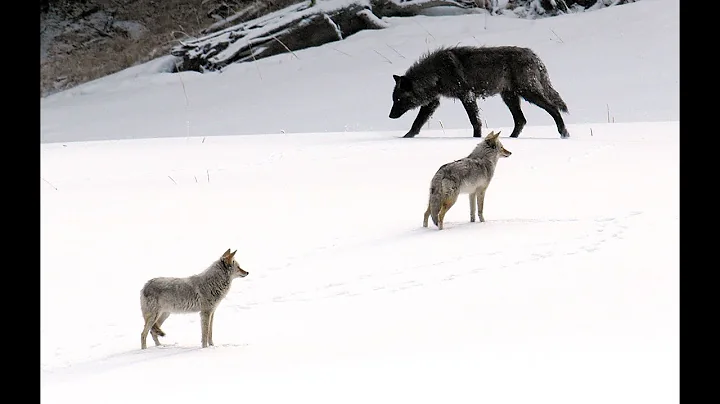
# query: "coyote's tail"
[[435, 201], [158, 331], [146, 304]]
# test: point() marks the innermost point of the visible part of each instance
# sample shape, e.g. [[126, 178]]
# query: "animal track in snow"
[[577, 236]]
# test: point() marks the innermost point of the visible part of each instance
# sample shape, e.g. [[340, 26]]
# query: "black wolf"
[[466, 73]]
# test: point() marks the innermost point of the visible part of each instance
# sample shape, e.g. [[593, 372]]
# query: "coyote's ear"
[[226, 253], [492, 135], [397, 78], [230, 257]]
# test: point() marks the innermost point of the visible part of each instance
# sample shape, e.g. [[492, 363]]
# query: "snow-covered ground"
[[568, 293]]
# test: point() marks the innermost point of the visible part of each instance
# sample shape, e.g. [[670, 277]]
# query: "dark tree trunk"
[[296, 27], [307, 24]]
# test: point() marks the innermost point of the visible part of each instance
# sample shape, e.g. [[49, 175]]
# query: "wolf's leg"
[[204, 324], [150, 319], [210, 327], [472, 207], [425, 112], [155, 330], [541, 102], [446, 205], [425, 217], [512, 101], [469, 101], [480, 203]]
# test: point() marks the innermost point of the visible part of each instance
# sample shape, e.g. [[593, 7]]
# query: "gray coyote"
[[469, 175], [197, 293]]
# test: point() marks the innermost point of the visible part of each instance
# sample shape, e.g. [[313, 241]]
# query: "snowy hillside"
[[568, 293], [616, 64]]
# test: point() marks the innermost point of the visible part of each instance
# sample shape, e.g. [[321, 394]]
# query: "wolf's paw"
[[472, 219], [410, 134], [564, 134]]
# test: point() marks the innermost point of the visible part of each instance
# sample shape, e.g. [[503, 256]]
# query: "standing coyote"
[[466, 73], [197, 293], [470, 175]]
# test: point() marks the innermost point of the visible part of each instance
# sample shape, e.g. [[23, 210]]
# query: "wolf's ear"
[[397, 78], [405, 83]]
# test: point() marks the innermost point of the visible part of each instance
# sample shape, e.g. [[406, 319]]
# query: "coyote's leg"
[[541, 102], [446, 205], [480, 203], [422, 117], [150, 319], [512, 100], [469, 101], [204, 326], [425, 217], [210, 327], [155, 330], [472, 207]]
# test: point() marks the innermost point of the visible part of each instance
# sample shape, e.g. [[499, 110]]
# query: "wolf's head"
[[404, 97], [228, 259], [491, 147]]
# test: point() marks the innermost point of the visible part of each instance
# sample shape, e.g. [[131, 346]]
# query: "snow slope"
[[568, 293], [615, 64]]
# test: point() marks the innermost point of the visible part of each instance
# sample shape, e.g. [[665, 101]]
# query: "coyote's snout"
[[198, 293], [470, 175]]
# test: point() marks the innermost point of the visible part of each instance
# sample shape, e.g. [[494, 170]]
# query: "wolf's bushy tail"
[[549, 92], [554, 96]]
